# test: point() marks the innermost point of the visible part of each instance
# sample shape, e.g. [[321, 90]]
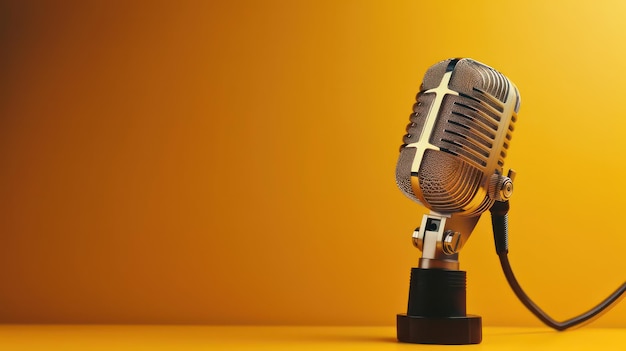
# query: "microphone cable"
[[499, 222]]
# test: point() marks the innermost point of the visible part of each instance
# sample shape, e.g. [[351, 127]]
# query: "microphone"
[[453, 153], [457, 138], [451, 161]]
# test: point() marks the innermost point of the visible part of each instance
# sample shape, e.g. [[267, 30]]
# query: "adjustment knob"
[[451, 242], [501, 187], [417, 241]]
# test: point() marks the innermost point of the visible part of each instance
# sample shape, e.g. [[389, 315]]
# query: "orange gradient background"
[[233, 162]]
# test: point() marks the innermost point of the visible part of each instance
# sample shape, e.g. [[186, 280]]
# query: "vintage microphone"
[[452, 163]]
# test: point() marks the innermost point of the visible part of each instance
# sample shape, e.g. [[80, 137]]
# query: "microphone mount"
[[439, 246], [436, 309]]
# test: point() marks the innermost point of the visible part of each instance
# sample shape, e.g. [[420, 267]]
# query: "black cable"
[[539, 313], [499, 221]]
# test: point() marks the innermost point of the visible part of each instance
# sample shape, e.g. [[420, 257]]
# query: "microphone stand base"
[[439, 330], [436, 310]]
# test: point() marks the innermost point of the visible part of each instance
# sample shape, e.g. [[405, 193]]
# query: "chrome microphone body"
[[452, 157]]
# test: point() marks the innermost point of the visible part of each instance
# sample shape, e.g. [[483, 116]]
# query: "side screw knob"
[[451, 242]]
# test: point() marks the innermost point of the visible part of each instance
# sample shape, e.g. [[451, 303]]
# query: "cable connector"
[[500, 224]]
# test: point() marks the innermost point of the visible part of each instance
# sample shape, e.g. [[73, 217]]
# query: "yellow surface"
[[68, 337], [231, 162]]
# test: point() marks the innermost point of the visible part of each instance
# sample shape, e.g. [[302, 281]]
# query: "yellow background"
[[233, 162]]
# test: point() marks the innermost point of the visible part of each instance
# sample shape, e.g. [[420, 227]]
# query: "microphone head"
[[457, 138]]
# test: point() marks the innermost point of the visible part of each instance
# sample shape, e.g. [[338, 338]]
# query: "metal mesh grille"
[[466, 130], [403, 172], [447, 183]]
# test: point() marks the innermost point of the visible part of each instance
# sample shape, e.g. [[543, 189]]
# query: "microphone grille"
[[473, 124], [403, 172], [465, 141], [439, 181]]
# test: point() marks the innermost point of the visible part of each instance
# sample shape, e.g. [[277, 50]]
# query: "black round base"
[[439, 330]]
